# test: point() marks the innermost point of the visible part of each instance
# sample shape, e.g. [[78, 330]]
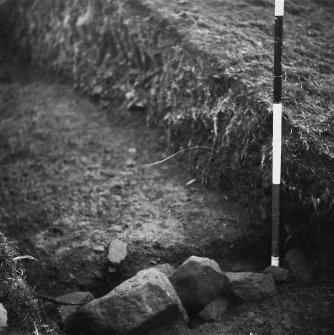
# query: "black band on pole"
[[275, 220], [278, 45], [278, 59], [277, 90]]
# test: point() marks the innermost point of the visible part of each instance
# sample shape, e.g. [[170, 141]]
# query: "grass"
[[24, 310]]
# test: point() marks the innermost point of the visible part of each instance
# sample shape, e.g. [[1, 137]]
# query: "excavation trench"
[[73, 174], [73, 180], [202, 72]]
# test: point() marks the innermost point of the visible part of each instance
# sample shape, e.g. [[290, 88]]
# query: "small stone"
[[3, 317], [153, 262], [301, 269], [132, 151], [118, 251], [98, 248], [130, 163], [250, 286], [215, 310], [279, 274]]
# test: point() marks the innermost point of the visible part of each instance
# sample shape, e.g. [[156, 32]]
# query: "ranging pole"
[[277, 131]]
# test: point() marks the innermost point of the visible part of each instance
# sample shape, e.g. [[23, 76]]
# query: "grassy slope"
[[239, 36], [235, 40]]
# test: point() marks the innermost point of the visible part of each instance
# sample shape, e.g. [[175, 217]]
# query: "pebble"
[[130, 163], [132, 151], [118, 251], [98, 248]]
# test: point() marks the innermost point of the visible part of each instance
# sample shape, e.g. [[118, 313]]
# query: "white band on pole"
[[274, 261], [279, 7], [277, 138]]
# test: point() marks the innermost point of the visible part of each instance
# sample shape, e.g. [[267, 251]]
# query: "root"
[[177, 153]]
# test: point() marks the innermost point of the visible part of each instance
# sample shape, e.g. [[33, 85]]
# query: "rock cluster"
[[159, 299]]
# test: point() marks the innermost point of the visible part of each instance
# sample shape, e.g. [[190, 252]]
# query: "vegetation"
[[24, 311]]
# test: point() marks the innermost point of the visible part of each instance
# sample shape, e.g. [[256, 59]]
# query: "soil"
[[73, 179]]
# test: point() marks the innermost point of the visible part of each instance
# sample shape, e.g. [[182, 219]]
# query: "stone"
[[98, 248], [250, 286], [215, 310], [142, 302], [166, 269], [299, 266], [118, 251], [279, 274], [132, 151], [130, 163], [198, 281], [3, 318], [67, 312]]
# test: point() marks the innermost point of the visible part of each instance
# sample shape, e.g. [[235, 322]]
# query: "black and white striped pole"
[[277, 131]]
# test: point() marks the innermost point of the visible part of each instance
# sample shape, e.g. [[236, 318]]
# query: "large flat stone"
[[250, 285], [198, 281], [142, 302], [279, 274]]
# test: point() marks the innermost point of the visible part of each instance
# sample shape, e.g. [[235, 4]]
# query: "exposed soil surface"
[[73, 179]]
